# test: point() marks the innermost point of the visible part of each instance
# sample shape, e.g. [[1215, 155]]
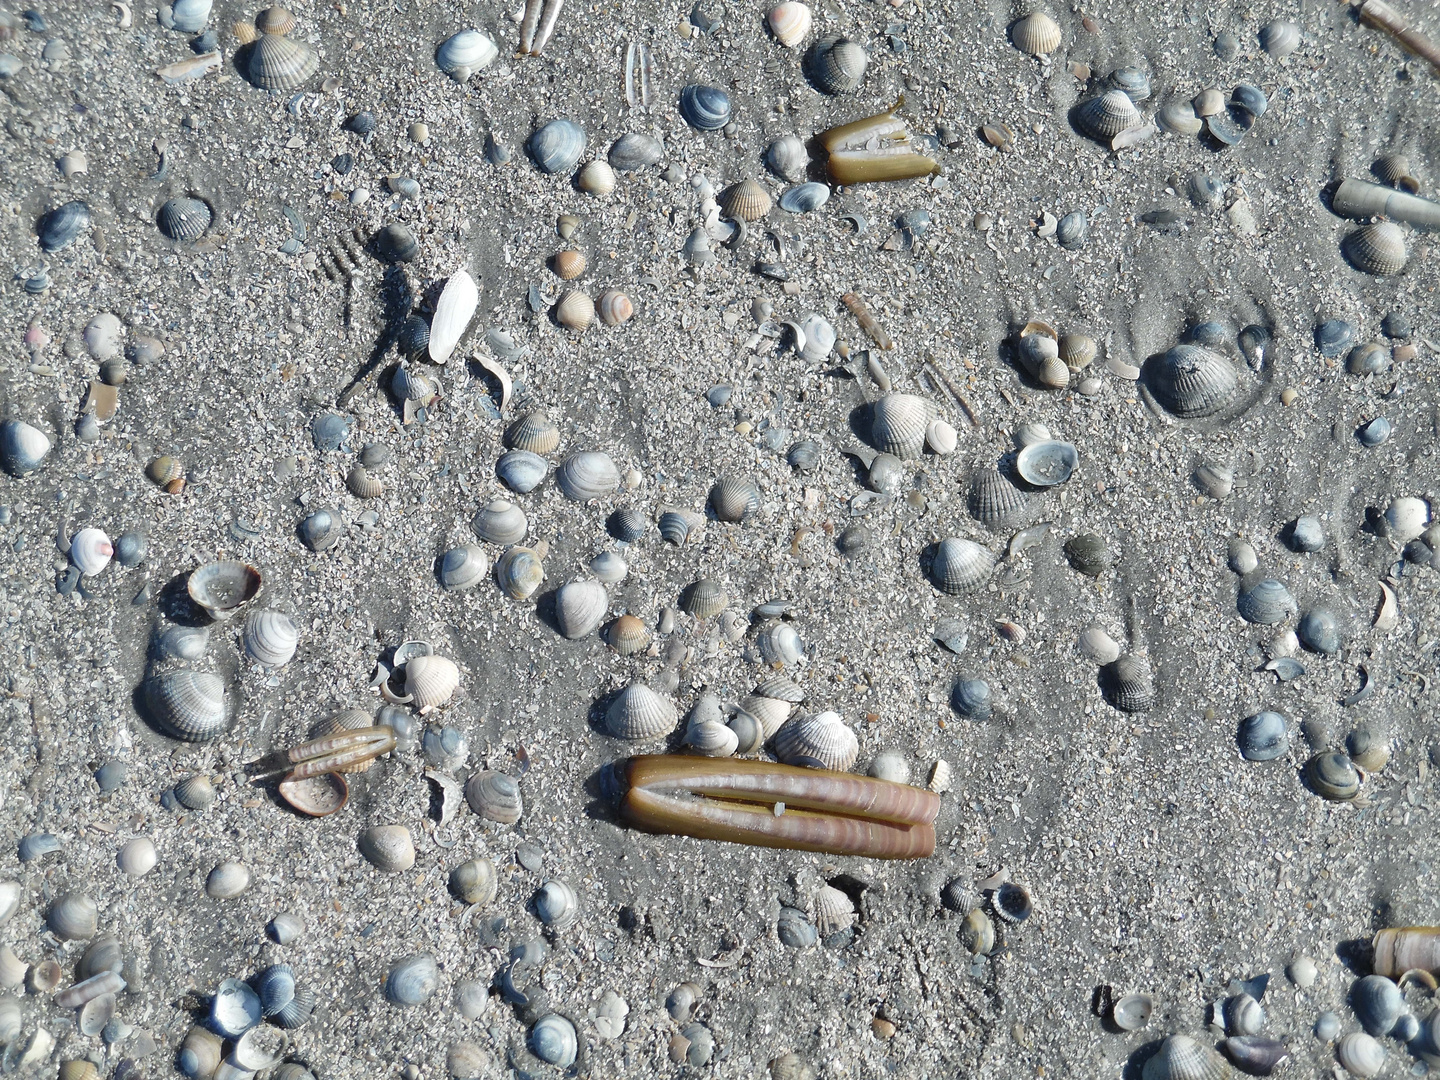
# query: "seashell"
[[1279, 38], [1134, 81], [712, 739], [1127, 683], [556, 147], [1263, 737], [234, 1009], [556, 905], [1182, 1058], [394, 244], [1377, 1003], [474, 881], [320, 530], [634, 151], [412, 980], [1244, 1015], [522, 471], [749, 733], [819, 337], [787, 158], [898, 423], [519, 572], [10, 893], [628, 524], [790, 22], [444, 748], [638, 712], [270, 638], [1088, 554], [73, 917], [734, 498], [780, 644], [627, 635], [220, 588], [463, 567], [412, 340], [1266, 603], [44, 977], [81, 1069], [1406, 518], [431, 680], [494, 796], [568, 265], [1319, 632], [704, 598], [472, 999], [586, 475], [836, 65], [463, 54], [281, 63], [58, 228], [819, 740], [705, 108], [1306, 534], [12, 974], [795, 930], [1105, 116], [1178, 118], [274, 20], [1193, 382], [597, 178], [1047, 463], [90, 551], [1360, 1055], [1377, 248], [137, 857], [1257, 1055], [184, 218], [579, 607], [534, 431], [574, 310], [770, 712], [227, 880], [1369, 750], [1333, 776], [781, 688], [1037, 34], [186, 16], [453, 312], [1132, 1012], [188, 705], [259, 1048], [195, 792], [1077, 350], [200, 1053], [977, 933], [614, 307], [553, 1040], [971, 699], [319, 796], [961, 566], [1392, 169], [500, 522], [22, 447], [745, 201], [834, 911], [1011, 903], [1040, 355], [275, 987], [388, 847]]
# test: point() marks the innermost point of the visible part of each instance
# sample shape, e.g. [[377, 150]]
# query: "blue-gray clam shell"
[[59, 227], [1266, 603], [972, 699], [412, 980], [805, 197], [521, 470], [557, 146], [1263, 736], [705, 108]]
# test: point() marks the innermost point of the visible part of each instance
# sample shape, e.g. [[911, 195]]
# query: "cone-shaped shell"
[[1377, 249], [1036, 34], [501, 522], [1182, 1058], [638, 712], [898, 423], [746, 201], [1193, 382], [790, 22], [820, 740], [281, 63], [188, 705], [1107, 115], [431, 681], [995, 502], [579, 607], [961, 565], [183, 218]]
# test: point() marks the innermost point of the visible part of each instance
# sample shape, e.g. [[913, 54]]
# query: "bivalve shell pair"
[[580, 607], [1193, 382], [1378, 248], [836, 64], [270, 638], [898, 423], [463, 54], [494, 796], [819, 740], [734, 498], [184, 218], [430, 681], [790, 22], [961, 566], [588, 475], [556, 147], [638, 712], [188, 705], [1037, 34], [281, 63], [1040, 354]]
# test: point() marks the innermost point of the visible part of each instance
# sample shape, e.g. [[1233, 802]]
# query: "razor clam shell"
[[819, 739], [453, 312], [281, 63], [586, 475], [72, 997], [638, 712], [580, 606], [501, 522], [270, 638], [188, 705]]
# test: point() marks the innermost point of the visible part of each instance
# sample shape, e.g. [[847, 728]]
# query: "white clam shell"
[[388, 847], [73, 917], [270, 638], [453, 312], [91, 551], [501, 522], [463, 54], [587, 475], [227, 880], [819, 739], [771, 712], [790, 22], [138, 857], [431, 681], [1360, 1054], [638, 712], [580, 607], [712, 739], [556, 904]]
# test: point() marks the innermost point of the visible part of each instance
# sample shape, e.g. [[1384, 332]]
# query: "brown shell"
[[275, 20], [344, 720], [568, 265], [747, 201], [615, 307]]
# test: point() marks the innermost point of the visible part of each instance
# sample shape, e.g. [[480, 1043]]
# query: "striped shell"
[[1127, 683], [638, 712], [534, 431], [704, 598], [614, 307], [574, 310], [609, 567], [837, 64], [1378, 248], [995, 502], [1266, 603], [819, 740], [364, 484], [91, 551], [1108, 115], [1394, 169], [431, 681], [474, 881], [557, 146], [501, 522], [677, 526], [1182, 1058], [281, 63], [519, 572], [1279, 38], [790, 22], [569, 264], [734, 498], [184, 218], [587, 475], [834, 910], [961, 566], [898, 423], [627, 635], [1037, 34], [746, 201], [188, 705], [1360, 1054], [705, 108], [597, 178], [1193, 382], [494, 796], [579, 607], [270, 638], [275, 20], [338, 723]]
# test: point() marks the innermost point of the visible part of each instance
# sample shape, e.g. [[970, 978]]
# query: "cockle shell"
[[568, 264], [281, 63], [91, 551], [820, 740], [195, 792], [995, 502], [961, 565], [1377, 248], [579, 607], [746, 201], [1193, 382], [898, 423], [734, 498], [790, 22], [463, 54], [1105, 116], [834, 910], [188, 705], [596, 178], [270, 638], [430, 681], [453, 312], [770, 712], [494, 796], [1182, 1058], [534, 431], [500, 522], [1037, 34], [627, 635], [638, 712], [1127, 683], [1392, 169], [364, 484], [22, 447], [574, 310], [614, 307], [184, 218], [275, 20], [221, 588], [519, 572], [704, 598], [836, 64], [586, 475]]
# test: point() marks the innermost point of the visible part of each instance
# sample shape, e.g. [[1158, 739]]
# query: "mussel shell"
[[184, 218], [1263, 736], [1194, 382], [705, 108], [188, 705], [59, 227], [557, 146]]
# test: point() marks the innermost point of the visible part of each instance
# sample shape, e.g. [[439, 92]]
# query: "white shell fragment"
[[453, 312]]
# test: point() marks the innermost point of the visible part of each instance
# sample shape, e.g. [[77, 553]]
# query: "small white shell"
[[137, 858], [10, 893], [90, 551], [820, 740], [463, 54], [941, 437], [898, 423], [227, 880], [556, 904], [453, 312], [580, 607], [638, 712], [1098, 646], [790, 22], [597, 178], [587, 475], [430, 681], [834, 910], [771, 712], [270, 638]]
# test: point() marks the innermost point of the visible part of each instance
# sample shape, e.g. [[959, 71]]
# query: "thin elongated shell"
[[790, 22], [995, 502], [431, 681], [1036, 34], [281, 63], [1182, 1058], [820, 740], [638, 712], [579, 607], [961, 565], [270, 638], [898, 423], [453, 312], [1377, 249], [1108, 115], [188, 705], [1406, 948], [337, 724], [747, 201], [1193, 382]]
